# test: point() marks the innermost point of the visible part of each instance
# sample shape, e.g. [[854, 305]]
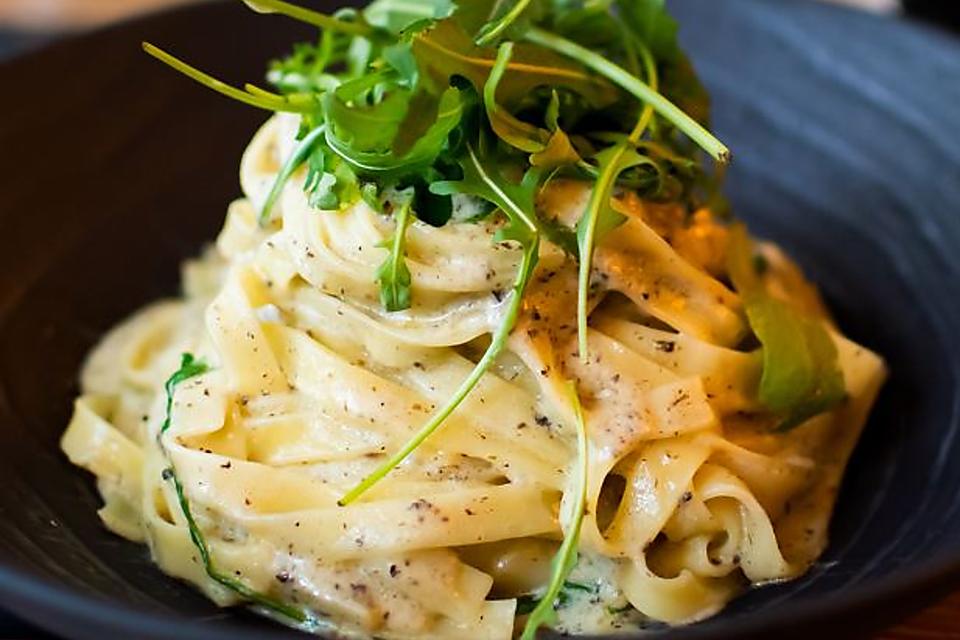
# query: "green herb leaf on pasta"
[[393, 275], [801, 374], [566, 557]]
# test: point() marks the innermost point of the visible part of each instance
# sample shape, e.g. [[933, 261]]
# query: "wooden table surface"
[[940, 621], [937, 622]]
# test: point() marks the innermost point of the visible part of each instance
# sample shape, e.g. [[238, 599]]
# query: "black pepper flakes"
[[666, 346]]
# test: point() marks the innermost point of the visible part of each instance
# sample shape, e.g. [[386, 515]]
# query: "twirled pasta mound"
[[691, 494]]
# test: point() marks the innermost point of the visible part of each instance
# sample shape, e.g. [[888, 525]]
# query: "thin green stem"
[[191, 367], [601, 189], [650, 68], [566, 557], [314, 18], [296, 159], [394, 275], [499, 341], [502, 24], [238, 587], [630, 83], [260, 100], [396, 248]]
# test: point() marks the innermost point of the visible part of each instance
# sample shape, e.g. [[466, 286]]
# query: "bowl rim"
[[922, 584], [33, 597]]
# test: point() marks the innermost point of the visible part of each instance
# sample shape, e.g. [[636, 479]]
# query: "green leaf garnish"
[[566, 557], [240, 588], [190, 367], [482, 178], [509, 128], [490, 355], [446, 50], [311, 17], [491, 99], [498, 27], [801, 374], [600, 218], [394, 275], [295, 104], [629, 82], [300, 154], [526, 603], [516, 202]]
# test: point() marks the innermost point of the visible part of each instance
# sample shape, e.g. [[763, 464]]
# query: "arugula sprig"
[[600, 218], [801, 375], [405, 95], [303, 151], [481, 178], [190, 367], [292, 103], [566, 557], [394, 275]]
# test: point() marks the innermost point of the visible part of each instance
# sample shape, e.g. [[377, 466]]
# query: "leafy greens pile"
[[409, 104]]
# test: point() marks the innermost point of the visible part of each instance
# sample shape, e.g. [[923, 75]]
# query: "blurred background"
[[47, 15], [28, 23]]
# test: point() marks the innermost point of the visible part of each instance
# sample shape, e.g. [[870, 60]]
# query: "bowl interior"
[[117, 169]]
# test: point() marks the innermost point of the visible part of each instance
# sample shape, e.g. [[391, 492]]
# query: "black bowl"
[[847, 138]]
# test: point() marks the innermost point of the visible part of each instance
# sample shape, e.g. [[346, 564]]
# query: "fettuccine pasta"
[[692, 493]]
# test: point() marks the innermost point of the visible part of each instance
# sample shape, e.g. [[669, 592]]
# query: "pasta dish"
[[481, 349]]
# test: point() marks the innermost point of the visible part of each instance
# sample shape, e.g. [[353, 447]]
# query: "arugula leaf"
[[297, 103], [356, 121], [300, 155], [529, 601], [310, 17], [422, 154], [483, 179], [499, 26], [599, 219], [394, 275], [516, 202], [566, 557], [630, 83], [304, 70], [445, 50], [331, 184], [548, 149], [801, 374], [653, 25], [510, 129], [498, 342], [397, 16], [559, 151], [191, 367], [240, 588]]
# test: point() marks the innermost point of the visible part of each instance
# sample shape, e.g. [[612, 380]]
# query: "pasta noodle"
[[690, 498]]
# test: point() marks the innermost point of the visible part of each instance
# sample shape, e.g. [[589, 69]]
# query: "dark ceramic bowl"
[[846, 130]]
